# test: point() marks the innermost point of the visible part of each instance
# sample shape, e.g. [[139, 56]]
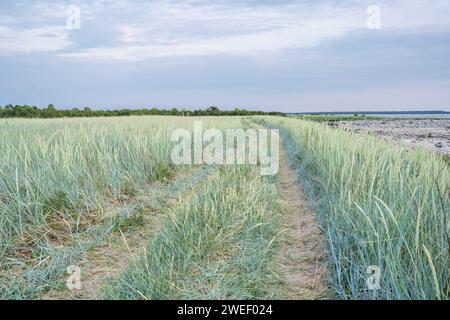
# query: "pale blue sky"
[[289, 56]]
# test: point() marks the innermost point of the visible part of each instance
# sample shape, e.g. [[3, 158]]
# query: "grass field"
[[104, 194], [378, 204], [216, 244], [69, 186], [57, 179]]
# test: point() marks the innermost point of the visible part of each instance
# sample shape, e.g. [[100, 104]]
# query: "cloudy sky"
[[286, 55]]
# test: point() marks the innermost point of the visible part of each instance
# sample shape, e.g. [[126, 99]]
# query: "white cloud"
[[416, 15], [139, 30], [34, 40], [183, 28], [294, 37]]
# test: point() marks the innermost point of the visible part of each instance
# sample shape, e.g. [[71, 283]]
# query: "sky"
[[272, 55]]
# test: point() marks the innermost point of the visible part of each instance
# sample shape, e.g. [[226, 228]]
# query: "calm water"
[[412, 115], [403, 115]]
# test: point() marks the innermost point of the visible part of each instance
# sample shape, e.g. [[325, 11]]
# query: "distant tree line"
[[25, 111]]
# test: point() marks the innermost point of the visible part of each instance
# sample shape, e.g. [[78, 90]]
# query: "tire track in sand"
[[301, 257]]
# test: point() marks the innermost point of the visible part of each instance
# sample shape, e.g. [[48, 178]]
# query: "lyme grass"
[[217, 244], [379, 204]]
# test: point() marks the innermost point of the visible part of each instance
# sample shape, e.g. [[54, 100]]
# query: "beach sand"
[[429, 133]]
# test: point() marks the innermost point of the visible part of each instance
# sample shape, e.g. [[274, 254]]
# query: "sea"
[[408, 115]]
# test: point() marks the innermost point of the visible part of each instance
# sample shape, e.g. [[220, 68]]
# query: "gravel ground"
[[433, 134]]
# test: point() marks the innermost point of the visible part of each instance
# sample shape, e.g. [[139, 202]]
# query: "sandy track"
[[301, 257]]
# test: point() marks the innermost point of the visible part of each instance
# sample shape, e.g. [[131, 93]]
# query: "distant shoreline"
[[373, 113]]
